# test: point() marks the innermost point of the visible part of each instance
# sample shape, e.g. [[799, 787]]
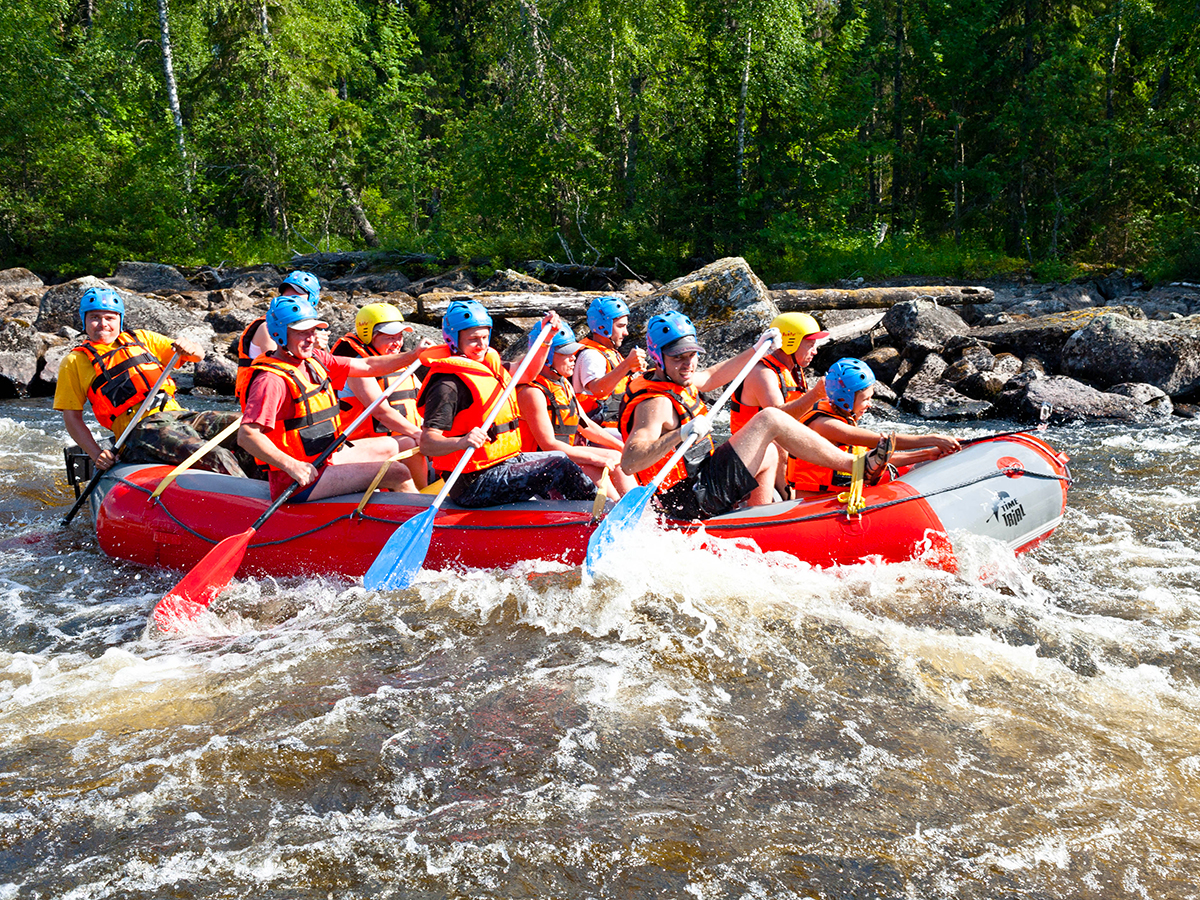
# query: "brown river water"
[[700, 726]]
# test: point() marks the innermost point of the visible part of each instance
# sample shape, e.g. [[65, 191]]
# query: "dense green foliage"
[[818, 138]]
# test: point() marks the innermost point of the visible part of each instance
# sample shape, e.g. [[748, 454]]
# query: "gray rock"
[[518, 282], [982, 386], [47, 377], [933, 399], [231, 320], [884, 362], [1043, 336], [725, 300], [923, 320], [1153, 399], [233, 298], [374, 283], [18, 358], [18, 279], [149, 278], [1071, 400], [216, 372], [1112, 349], [1058, 299], [1006, 364]]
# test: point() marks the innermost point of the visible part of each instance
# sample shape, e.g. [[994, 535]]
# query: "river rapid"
[[701, 726]]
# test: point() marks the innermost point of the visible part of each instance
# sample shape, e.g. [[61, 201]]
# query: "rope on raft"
[[587, 519]]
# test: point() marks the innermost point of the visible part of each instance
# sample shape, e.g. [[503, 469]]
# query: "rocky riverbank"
[[1110, 349]]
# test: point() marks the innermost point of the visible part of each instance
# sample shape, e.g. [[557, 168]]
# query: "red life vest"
[[740, 413], [485, 381], [687, 404], [806, 476], [124, 375], [403, 399], [563, 408], [245, 360], [315, 424], [601, 410]]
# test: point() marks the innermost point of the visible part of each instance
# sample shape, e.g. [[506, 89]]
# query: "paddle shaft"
[[137, 417], [733, 385], [488, 421]]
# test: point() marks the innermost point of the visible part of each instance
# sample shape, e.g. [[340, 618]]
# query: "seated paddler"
[[849, 386], [552, 419], [601, 374], [113, 371], [291, 413], [466, 378], [779, 380], [379, 330], [663, 408]]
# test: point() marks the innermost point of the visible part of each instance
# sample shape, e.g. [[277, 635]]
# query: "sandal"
[[876, 465]]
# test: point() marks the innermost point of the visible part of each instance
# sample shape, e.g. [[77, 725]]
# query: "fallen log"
[[875, 298]]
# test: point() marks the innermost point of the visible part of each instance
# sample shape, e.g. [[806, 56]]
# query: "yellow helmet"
[[378, 317], [795, 327]]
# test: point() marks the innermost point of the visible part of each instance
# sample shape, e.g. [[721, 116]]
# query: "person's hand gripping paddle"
[[404, 553]]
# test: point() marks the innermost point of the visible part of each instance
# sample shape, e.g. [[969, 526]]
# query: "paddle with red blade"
[[201, 585], [402, 557]]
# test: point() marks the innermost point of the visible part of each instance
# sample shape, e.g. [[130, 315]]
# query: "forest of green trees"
[[817, 138]]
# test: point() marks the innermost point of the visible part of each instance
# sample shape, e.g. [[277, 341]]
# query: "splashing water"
[[690, 723]]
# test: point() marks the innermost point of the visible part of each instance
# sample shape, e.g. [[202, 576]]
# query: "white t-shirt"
[[589, 365]]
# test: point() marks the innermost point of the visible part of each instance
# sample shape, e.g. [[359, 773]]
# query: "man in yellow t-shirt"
[[112, 371]]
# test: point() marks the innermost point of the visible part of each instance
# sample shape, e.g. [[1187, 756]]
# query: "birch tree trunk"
[[173, 91]]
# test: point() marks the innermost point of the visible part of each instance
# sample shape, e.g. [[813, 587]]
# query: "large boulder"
[[726, 301], [1113, 349], [1058, 299], [1044, 336], [1070, 400], [47, 377], [216, 372], [19, 279], [1154, 400], [931, 398], [924, 321], [149, 278], [19, 346]]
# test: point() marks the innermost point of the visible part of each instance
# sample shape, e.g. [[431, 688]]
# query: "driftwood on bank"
[[875, 298]]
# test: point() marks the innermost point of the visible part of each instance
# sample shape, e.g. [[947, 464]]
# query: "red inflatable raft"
[[1012, 489]]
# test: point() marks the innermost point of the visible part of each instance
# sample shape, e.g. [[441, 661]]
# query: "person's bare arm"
[[655, 434], [434, 442], [535, 414], [82, 435], [367, 391], [604, 385]]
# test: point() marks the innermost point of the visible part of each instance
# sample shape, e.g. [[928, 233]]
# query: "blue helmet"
[[845, 378], [563, 340], [288, 312], [603, 311], [666, 329], [307, 282], [105, 299], [462, 314]]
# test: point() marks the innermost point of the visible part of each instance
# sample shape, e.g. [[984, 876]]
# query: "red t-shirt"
[[269, 399]]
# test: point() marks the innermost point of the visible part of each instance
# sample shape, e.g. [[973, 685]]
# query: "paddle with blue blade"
[[137, 417], [624, 517], [201, 585], [402, 557]]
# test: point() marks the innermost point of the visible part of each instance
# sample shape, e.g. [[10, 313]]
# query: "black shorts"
[[720, 483]]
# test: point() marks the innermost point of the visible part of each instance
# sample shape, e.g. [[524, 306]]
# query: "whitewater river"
[[704, 727]]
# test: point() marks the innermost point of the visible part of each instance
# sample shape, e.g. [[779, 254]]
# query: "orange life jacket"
[[806, 476], [315, 424], [563, 408], [687, 405], [403, 399], [124, 375], [602, 410], [740, 413], [486, 381], [245, 360]]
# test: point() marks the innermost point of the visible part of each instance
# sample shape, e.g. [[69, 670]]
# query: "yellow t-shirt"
[[76, 373]]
